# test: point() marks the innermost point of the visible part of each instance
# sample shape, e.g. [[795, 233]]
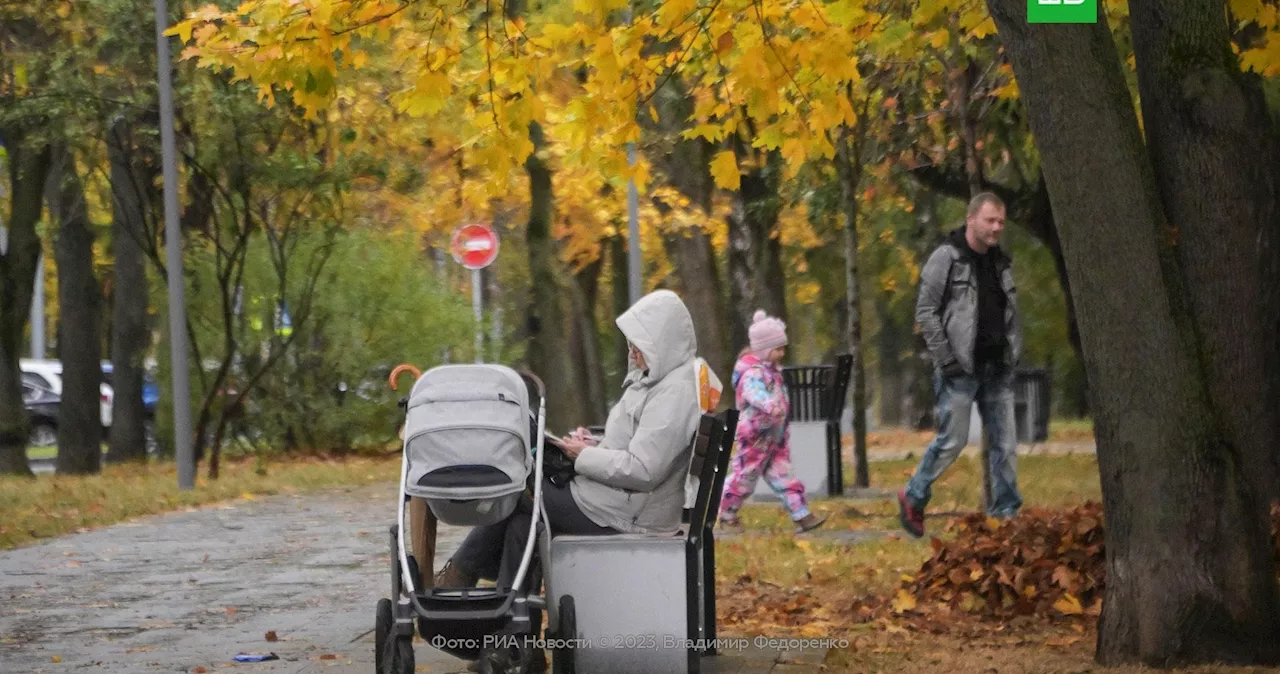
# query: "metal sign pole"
[[173, 249], [476, 300]]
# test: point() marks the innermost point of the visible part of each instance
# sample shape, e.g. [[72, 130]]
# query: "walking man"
[[968, 313]]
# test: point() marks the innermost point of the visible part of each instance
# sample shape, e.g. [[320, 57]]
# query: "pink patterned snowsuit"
[[763, 439]]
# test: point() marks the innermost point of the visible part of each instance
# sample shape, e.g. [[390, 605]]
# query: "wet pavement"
[[187, 591]]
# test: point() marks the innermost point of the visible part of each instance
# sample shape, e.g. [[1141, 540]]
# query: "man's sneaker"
[[912, 518], [809, 523]]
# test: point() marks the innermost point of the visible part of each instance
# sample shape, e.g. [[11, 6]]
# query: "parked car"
[[150, 401], [48, 374], [150, 392], [41, 405]]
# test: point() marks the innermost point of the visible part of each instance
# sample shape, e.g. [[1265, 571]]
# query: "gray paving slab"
[[190, 590]]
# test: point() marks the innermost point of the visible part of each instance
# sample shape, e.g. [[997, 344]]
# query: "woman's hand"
[[584, 436], [573, 446]]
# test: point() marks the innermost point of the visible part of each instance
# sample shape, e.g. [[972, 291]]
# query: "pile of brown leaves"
[[1047, 563]]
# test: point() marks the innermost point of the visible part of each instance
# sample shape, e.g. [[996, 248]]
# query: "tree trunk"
[[742, 273], [687, 166], [1214, 154], [591, 374], [919, 406], [79, 302], [890, 342], [550, 356], [1190, 574], [850, 170], [621, 302], [756, 280], [28, 170], [130, 337], [959, 89]]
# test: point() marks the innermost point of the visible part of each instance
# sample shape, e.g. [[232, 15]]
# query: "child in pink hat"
[[763, 433]]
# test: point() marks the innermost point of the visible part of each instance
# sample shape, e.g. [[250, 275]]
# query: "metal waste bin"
[[817, 396], [1031, 404]]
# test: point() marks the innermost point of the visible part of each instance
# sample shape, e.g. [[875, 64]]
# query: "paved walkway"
[[190, 590]]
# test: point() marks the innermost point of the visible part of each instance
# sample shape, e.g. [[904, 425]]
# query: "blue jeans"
[[992, 387]]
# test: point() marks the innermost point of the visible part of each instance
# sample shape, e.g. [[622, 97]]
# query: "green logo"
[[1062, 11]]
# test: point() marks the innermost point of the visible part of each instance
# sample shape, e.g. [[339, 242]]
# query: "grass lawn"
[[775, 583], [772, 553], [51, 505]]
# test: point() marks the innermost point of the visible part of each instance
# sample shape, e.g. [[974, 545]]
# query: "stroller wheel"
[[397, 657], [562, 660], [382, 625]]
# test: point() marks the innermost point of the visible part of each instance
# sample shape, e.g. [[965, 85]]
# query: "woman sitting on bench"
[[633, 479]]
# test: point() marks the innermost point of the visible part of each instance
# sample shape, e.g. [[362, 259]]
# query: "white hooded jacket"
[[634, 480]]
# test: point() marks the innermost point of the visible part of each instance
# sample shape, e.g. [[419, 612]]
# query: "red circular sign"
[[474, 246]]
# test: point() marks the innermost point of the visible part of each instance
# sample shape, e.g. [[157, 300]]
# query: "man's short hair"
[[975, 204]]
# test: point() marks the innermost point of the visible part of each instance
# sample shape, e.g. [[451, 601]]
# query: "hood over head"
[[660, 326]]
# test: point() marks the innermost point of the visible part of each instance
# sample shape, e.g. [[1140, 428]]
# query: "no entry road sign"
[[474, 246]]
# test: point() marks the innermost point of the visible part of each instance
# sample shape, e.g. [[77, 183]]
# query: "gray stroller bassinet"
[[472, 446], [467, 449]]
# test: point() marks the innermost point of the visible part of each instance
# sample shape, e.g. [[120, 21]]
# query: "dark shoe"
[[732, 525], [452, 576], [912, 518], [810, 522]]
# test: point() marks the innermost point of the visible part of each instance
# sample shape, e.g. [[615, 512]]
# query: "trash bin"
[[1031, 404], [817, 395]]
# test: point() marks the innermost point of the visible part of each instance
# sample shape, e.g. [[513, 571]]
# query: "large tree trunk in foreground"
[[1190, 572], [550, 356], [1214, 154], [28, 169], [79, 301], [129, 336]]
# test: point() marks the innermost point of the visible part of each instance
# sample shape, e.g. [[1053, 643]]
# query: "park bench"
[[650, 597]]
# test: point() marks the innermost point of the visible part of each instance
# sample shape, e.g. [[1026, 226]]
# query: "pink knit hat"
[[766, 333]]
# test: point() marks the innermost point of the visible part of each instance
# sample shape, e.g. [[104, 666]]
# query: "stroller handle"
[[400, 369], [530, 377]]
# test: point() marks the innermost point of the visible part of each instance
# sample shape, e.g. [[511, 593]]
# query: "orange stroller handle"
[[399, 370]]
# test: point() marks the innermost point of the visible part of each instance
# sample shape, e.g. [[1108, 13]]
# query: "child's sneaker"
[[732, 525], [810, 522]]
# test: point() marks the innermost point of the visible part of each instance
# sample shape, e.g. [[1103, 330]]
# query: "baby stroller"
[[472, 446]]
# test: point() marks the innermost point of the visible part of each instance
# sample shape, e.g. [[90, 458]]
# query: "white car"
[[48, 374]]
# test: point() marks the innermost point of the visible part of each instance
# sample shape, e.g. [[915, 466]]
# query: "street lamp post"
[[173, 255]]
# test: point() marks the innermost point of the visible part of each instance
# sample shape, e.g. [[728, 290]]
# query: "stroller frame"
[[464, 613]]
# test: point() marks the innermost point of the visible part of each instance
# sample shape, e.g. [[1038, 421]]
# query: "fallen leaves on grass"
[[1045, 563], [756, 606]]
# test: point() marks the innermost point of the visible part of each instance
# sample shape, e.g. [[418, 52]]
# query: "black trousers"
[[494, 550]]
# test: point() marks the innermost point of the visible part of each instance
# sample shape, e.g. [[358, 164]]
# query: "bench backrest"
[[707, 442], [712, 446], [730, 423]]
